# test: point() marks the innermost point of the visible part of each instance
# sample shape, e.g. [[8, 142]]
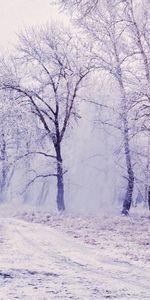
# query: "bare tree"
[[10, 113], [138, 20], [48, 74], [107, 29], [84, 7]]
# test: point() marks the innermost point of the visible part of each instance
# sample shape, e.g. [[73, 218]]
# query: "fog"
[[92, 152], [94, 181], [19, 14]]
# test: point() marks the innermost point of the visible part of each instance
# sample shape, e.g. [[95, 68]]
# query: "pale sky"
[[17, 14]]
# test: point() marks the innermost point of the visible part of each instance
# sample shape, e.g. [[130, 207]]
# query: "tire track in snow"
[[31, 250]]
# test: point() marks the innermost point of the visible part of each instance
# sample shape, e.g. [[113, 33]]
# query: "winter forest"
[[75, 109], [75, 143]]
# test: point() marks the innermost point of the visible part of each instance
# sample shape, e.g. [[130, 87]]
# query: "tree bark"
[[149, 197], [130, 186], [60, 179], [3, 157]]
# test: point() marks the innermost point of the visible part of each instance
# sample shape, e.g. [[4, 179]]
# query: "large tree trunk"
[[124, 105], [130, 186], [60, 180]]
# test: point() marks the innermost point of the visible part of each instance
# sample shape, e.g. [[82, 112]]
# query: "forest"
[[75, 149], [75, 109]]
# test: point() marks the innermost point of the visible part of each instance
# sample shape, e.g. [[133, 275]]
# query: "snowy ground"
[[71, 257]]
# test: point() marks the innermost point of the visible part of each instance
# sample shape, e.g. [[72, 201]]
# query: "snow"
[[45, 256]]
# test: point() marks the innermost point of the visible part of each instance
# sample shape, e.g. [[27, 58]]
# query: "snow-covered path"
[[39, 262]]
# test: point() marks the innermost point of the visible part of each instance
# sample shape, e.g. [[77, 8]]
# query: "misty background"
[[95, 178]]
